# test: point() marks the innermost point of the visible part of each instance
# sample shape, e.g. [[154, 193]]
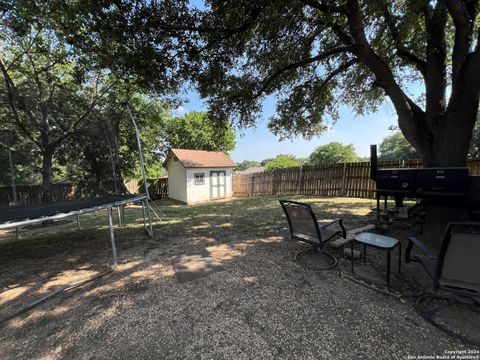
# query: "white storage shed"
[[197, 176]]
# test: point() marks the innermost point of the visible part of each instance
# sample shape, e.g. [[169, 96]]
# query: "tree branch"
[[329, 10], [36, 75], [74, 128], [11, 94], [339, 70], [323, 7], [436, 79], [463, 33], [62, 138], [226, 32], [340, 32], [402, 51], [299, 64], [95, 100], [384, 76], [25, 49]]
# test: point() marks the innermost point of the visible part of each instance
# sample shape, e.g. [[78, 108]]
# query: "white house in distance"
[[197, 176]]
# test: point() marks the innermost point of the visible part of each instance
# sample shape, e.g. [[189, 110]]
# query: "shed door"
[[218, 184]]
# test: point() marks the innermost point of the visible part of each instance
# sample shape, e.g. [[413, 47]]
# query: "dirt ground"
[[263, 305]]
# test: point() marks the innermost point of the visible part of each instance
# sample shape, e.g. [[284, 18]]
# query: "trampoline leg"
[[150, 227], [112, 238], [17, 233], [79, 227], [143, 214], [145, 208], [119, 213]]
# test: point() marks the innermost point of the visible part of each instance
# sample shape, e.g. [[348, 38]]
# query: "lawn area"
[[263, 305]]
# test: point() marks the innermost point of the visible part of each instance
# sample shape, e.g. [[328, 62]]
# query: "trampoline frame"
[[120, 205]]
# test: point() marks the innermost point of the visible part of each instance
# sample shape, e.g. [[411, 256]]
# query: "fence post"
[[300, 180], [273, 181], [251, 186], [344, 175]]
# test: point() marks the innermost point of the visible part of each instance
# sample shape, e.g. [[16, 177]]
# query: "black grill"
[[443, 182], [422, 183], [452, 187], [396, 181]]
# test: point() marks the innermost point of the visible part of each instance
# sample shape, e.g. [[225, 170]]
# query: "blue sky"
[[260, 143]]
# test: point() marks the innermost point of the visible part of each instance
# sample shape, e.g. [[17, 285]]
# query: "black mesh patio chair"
[[304, 226], [455, 269]]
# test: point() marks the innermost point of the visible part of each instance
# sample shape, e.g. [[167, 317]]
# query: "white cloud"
[[180, 110]]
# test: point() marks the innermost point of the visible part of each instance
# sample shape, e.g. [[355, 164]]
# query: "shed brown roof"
[[200, 158]]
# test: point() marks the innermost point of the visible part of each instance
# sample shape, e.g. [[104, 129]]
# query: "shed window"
[[199, 178]]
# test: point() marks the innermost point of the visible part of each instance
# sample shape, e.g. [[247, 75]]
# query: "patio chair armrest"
[[414, 241], [335, 221]]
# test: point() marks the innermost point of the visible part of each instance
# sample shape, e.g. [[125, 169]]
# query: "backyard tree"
[[264, 162], [152, 117], [313, 55], [283, 161], [396, 147], [196, 131], [244, 165], [45, 95], [66, 112], [333, 153], [106, 152]]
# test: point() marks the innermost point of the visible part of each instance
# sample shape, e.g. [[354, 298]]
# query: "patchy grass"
[[257, 215], [264, 305], [246, 216]]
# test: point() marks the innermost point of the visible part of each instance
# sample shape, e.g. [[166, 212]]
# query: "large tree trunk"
[[446, 144], [443, 139], [47, 175]]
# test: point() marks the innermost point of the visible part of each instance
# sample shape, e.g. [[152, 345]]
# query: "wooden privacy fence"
[[157, 188], [32, 194], [347, 179]]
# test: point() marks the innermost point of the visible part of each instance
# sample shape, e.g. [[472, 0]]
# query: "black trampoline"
[[16, 217], [38, 213], [19, 216]]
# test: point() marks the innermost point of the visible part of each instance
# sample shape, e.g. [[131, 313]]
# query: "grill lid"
[[431, 181], [396, 179]]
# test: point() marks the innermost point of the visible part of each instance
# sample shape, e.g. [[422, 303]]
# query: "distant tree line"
[[393, 147]]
